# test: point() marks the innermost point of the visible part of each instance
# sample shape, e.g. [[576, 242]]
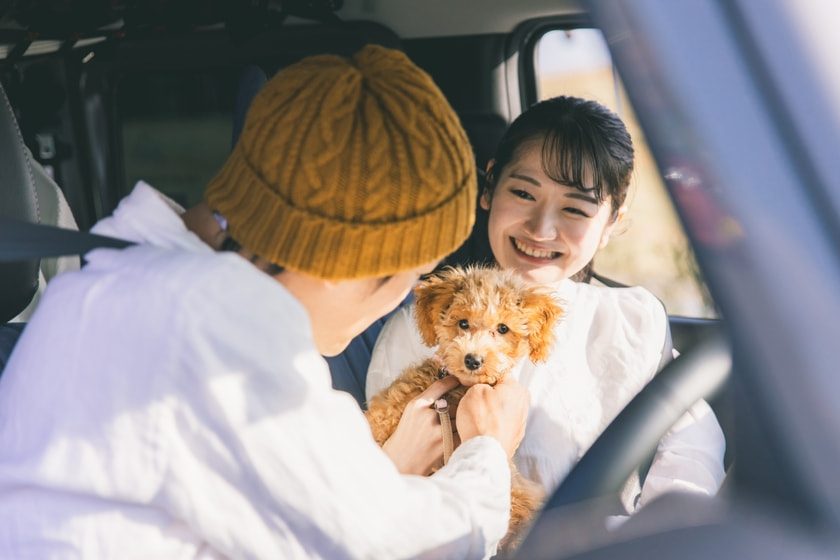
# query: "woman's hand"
[[416, 446]]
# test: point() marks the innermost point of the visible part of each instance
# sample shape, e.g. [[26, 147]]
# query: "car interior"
[[98, 96], [154, 76]]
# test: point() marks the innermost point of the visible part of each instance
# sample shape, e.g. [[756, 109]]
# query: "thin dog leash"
[[442, 407]]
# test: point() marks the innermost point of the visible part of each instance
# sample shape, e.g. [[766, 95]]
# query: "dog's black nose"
[[473, 362]]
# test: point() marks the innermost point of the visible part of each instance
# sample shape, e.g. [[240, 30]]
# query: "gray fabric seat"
[[55, 211], [18, 201], [28, 194]]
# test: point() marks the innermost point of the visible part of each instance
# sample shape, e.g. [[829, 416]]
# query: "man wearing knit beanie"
[[188, 412]]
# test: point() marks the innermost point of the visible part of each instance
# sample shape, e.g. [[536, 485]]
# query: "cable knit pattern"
[[349, 168]]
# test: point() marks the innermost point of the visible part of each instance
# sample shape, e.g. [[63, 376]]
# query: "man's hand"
[[500, 411], [416, 446]]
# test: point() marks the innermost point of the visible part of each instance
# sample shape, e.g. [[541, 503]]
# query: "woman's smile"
[[532, 252]]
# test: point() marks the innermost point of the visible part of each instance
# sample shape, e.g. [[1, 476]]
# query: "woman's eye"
[[464, 324], [576, 211], [502, 328], [522, 194]]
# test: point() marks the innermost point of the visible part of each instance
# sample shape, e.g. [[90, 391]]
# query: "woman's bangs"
[[570, 159]]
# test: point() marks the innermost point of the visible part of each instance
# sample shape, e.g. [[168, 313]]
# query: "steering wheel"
[[632, 437]]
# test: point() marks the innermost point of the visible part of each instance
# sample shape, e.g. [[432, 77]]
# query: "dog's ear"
[[542, 311], [432, 296]]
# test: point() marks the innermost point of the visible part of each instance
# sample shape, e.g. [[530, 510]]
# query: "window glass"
[[650, 247], [176, 129]]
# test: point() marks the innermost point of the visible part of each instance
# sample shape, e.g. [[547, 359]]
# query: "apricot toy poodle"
[[483, 321]]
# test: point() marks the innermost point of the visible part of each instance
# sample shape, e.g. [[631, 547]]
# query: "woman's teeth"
[[536, 253]]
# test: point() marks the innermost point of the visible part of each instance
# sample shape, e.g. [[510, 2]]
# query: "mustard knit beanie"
[[349, 168]]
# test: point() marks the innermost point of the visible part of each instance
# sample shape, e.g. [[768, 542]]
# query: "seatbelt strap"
[[20, 241]]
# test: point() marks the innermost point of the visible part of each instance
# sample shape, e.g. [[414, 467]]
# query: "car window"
[[650, 248], [176, 129]]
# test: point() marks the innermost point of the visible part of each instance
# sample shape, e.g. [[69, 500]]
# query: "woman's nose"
[[542, 225]]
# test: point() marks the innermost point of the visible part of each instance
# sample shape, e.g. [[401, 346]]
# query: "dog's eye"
[[464, 324], [502, 328]]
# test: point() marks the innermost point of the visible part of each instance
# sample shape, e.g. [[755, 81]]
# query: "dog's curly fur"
[[483, 320]]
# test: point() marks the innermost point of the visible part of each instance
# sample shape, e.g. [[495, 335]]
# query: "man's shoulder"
[[146, 284]]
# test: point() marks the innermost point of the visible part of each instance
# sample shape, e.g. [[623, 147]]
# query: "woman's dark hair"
[[583, 143]]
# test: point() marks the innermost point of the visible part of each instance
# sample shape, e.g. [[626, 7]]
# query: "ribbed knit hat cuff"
[[265, 223]]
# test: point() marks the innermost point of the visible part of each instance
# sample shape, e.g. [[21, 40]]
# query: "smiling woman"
[[529, 212], [555, 190]]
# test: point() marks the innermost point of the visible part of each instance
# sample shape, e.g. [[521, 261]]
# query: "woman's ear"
[[484, 201], [610, 227], [486, 195]]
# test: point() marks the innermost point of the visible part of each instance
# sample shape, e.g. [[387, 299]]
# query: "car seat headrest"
[[484, 130], [252, 79], [18, 201]]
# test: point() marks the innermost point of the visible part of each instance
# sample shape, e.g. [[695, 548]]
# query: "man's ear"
[[610, 227]]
